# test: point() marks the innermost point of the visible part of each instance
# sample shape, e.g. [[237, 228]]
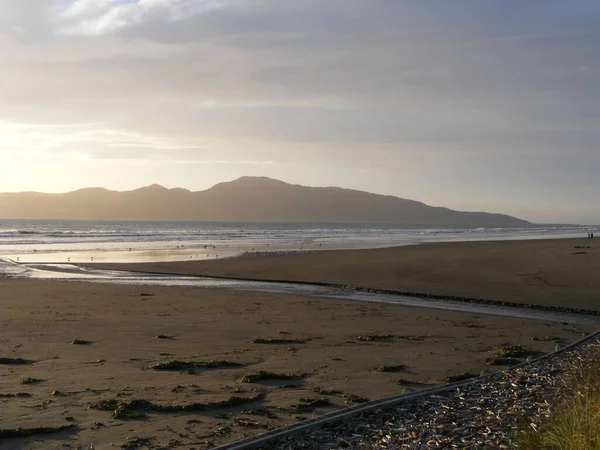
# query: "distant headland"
[[255, 199]]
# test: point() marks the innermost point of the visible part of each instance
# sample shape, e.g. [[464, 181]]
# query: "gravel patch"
[[486, 413]]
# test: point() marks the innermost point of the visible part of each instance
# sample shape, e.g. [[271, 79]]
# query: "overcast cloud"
[[472, 105]]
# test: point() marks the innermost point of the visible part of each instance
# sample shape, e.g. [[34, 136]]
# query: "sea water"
[[66, 241]]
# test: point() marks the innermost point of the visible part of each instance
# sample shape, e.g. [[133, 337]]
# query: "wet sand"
[[41, 319], [553, 272]]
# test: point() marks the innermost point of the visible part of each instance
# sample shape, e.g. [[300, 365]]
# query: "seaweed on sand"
[[136, 409], [310, 403], [499, 361], [350, 398], [553, 339], [512, 351], [30, 380], [405, 382], [175, 365], [251, 424], [261, 411], [370, 337], [459, 377], [15, 433], [322, 391], [278, 341], [375, 337], [135, 443], [15, 361], [165, 336], [386, 368], [17, 395], [262, 375]]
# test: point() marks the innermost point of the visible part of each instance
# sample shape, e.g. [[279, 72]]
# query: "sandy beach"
[[321, 347], [220, 218], [87, 355], [551, 272]]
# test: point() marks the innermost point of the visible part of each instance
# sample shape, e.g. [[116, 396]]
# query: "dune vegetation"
[[574, 422]]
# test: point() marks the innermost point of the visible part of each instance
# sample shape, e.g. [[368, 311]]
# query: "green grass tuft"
[[574, 423]]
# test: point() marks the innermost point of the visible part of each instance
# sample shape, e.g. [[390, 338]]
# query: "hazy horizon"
[[474, 106]]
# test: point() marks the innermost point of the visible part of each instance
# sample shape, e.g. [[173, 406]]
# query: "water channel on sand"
[[73, 273]]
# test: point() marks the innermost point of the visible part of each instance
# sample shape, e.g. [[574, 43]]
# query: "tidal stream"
[[72, 273]]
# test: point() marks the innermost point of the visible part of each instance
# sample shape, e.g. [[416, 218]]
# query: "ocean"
[[61, 241]]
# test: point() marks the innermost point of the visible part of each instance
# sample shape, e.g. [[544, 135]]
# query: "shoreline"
[[518, 270], [297, 252], [174, 250]]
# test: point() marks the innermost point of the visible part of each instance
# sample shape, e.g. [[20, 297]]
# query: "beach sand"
[[551, 272], [41, 319]]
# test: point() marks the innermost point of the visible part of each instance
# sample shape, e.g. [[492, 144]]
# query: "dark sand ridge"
[[559, 272], [40, 319]]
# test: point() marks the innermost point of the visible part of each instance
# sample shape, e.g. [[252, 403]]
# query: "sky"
[[475, 105]]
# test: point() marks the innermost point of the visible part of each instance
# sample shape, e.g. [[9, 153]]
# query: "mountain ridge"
[[255, 199]]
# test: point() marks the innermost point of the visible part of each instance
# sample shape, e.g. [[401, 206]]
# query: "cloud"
[[338, 71], [98, 17], [337, 83]]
